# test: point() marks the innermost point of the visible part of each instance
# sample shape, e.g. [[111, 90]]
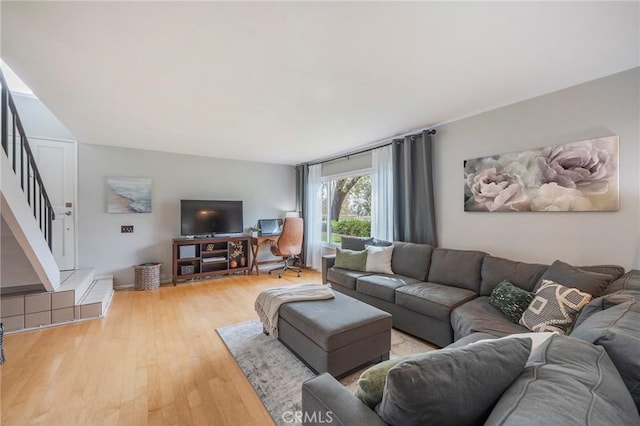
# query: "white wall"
[[602, 107], [16, 268], [267, 191], [38, 121]]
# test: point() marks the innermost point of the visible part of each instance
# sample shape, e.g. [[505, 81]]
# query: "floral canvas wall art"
[[128, 195], [577, 176]]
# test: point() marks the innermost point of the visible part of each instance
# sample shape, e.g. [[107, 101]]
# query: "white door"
[[57, 164]]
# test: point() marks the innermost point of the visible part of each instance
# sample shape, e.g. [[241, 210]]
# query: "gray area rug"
[[277, 375]]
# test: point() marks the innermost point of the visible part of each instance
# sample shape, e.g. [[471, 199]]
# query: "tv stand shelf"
[[206, 257]]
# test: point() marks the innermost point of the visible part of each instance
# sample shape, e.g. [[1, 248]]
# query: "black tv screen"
[[203, 217]]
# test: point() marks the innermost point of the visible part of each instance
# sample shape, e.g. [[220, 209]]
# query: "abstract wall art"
[[576, 176], [128, 195]]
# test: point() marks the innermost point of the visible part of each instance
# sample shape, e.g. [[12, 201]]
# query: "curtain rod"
[[429, 132]]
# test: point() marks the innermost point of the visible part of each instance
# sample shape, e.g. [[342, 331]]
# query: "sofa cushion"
[[616, 330], [452, 386], [497, 269], [355, 243], [411, 260], [350, 259], [615, 271], [512, 301], [575, 383], [458, 268], [471, 338], [604, 302], [383, 286], [627, 282], [479, 316], [593, 283], [344, 277], [379, 259], [537, 339], [433, 300], [554, 308]]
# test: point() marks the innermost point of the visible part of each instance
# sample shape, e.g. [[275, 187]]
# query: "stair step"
[[96, 300], [81, 296], [77, 281]]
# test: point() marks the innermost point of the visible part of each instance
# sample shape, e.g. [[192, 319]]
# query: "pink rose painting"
[[577, 176]]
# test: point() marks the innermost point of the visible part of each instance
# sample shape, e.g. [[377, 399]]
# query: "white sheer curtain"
[[382, 193], [314, 217]]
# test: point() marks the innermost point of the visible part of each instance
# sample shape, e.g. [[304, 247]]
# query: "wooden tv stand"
[[204, 257]]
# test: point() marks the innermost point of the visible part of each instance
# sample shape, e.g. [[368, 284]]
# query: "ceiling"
[[290, 82]]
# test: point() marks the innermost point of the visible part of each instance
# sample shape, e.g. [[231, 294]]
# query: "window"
[[346, 206]]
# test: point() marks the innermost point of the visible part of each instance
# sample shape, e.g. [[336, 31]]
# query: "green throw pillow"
[[512, 301], [372, 380], [351, 259]]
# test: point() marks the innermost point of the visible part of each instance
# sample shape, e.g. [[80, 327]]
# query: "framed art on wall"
[[128, 195], [576, 176]]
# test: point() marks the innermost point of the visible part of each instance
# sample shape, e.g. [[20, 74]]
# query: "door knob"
[[68, 213]]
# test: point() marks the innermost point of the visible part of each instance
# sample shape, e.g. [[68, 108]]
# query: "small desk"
[[256, 242]]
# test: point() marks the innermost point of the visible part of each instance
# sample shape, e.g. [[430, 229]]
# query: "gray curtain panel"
[[414, 209], [302, 172]]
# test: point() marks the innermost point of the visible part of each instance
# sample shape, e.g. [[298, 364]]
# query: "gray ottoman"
[[336, 335]]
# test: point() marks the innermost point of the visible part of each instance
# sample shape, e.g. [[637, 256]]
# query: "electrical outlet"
[[126, 229]]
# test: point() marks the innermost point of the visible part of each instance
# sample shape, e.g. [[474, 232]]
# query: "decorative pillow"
[[537, 340], [350, 259], [372, 380], [512, 301], [593, 283], [379, 259], [554, 308], [452, 386]]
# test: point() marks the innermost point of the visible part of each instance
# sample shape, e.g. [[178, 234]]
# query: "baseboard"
[[132, 285], [123, 286], [58, 324]]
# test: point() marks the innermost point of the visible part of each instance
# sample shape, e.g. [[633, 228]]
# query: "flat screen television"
[[206, 217]]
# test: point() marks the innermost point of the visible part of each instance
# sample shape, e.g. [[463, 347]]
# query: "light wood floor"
[[155, 359]]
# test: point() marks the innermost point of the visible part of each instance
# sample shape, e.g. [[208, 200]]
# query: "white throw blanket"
[[269, 301]]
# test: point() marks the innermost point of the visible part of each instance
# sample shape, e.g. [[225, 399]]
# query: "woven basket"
[[147, 276]]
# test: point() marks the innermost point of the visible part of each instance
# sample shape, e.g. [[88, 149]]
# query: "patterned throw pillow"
[[512, 301], [554, 308]]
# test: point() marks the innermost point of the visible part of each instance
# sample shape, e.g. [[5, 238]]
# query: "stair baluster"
[[36, 193]]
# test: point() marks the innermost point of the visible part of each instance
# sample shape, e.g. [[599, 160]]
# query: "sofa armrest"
[[327, 262], [326, 401]]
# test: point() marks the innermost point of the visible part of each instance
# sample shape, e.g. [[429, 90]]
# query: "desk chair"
[[289, 245]]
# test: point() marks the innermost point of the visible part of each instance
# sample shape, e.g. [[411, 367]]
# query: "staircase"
[[33, 291], [92, 294], [80, 296], [25, 204]]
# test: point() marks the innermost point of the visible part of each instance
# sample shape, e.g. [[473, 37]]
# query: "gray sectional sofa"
[[591, 376], [442, 295]]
